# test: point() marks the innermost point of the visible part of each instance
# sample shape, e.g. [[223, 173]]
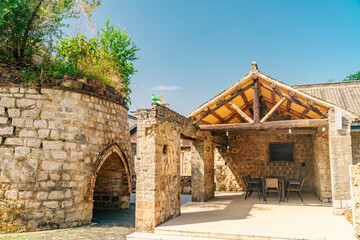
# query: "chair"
[[252, 184], [295, 186], [272, 185]]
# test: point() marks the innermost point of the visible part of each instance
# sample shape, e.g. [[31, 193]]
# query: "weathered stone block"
[[58, 154], [56, 195], [51, 204], [7, 102], [25, 103], [43, 133], [3, 120], [13, 113], [14, 141], [30, 113], [6, 131], [28, 133], [11, 194], [52, 145], [50, 165], [2, 111], [21, 151], [40, 123], [18, 122]]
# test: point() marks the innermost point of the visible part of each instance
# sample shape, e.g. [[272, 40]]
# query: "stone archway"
[[110, 187]]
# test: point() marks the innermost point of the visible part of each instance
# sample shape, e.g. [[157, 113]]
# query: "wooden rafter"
[[283, 109], [222, 103], [288, 105], [305, 105], [303, 114], [217, 116], [302, 123], [272, 110], [243, 96], [241, 113], [273, 97]]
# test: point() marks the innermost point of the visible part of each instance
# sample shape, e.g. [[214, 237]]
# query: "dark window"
[[281, 152]]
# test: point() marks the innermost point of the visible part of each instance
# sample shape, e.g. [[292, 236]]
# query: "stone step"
[[154, 236], [161, 234]]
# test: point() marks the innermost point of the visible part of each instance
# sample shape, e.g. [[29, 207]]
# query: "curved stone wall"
[[53, 142]]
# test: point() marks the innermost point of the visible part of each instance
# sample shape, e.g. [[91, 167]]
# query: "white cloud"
[[166, 88]]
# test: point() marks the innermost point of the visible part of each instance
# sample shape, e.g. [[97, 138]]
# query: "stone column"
[[340, 158], [202, 170], [157, 169], [355, 196]]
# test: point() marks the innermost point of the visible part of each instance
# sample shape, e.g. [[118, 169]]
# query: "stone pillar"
[[202, 170], [340, 158], [355, 196], [321, 168], [157, 169]]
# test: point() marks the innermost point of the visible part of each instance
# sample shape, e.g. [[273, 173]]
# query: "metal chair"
[[252, 184], [272, 185], [295, 186]]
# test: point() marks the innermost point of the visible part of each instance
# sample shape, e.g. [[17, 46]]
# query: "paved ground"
[[229, 214], [110, 225]]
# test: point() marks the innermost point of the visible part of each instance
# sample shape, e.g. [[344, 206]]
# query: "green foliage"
[[32, 22], [353, 77], [107, 57], [28, 76]]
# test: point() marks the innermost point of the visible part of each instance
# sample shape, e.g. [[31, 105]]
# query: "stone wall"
[[355, 145], [51, 146], [340, 158], [355, 196], [159, 132], [322, 175], [249, 154]]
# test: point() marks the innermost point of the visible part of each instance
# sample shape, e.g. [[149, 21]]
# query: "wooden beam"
[[305, 105], [302, 123], [256, 101], [288, 105], [246, 101], [303, 114], [242, 114], [234, 95], [217, 116], [294, 131], [266, 117], [273, 97], [283, 110], [236, 114]]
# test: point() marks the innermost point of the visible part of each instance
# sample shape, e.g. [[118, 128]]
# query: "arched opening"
[[111, 188]]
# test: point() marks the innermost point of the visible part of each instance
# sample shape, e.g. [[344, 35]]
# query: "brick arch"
[[111, 151]]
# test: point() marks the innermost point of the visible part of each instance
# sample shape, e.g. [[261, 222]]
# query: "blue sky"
[[192, 50]]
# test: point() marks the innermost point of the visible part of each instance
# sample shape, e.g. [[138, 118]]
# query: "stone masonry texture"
[[157, 166], [51, 145]]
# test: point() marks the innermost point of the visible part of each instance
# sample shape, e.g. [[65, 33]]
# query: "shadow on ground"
[[109, 218]]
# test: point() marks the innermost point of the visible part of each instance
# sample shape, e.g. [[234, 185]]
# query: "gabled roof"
[[235, 104]]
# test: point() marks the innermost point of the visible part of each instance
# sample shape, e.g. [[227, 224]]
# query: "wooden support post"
[[266, 117], [256, 102], [242, 114]]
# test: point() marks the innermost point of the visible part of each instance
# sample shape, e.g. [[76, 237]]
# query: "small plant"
[[27, 75]]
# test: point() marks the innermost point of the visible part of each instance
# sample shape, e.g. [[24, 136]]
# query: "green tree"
[[353, 77], [32, 22], [107, 57]]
